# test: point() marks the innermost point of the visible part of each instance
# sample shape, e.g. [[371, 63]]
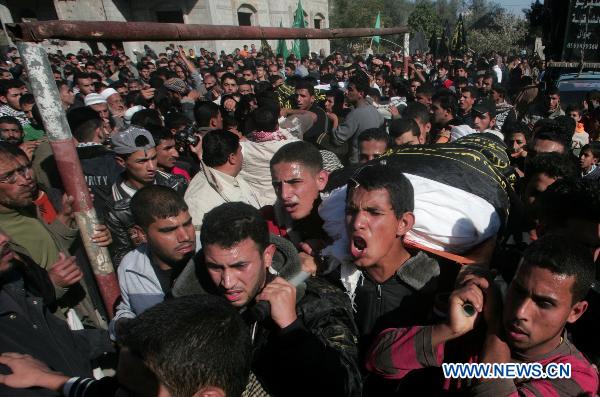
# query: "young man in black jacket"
[[27, 325], [100, 168], [306, 345], [136, 152]]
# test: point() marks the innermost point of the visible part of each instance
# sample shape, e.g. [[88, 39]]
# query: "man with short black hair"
[[405, 132], [298, 177], [550, 108], [100, 168], [362, 117], [208, 117], [10, 93], [84, 85], [443, 110], [547, 292], [147, 272], [468, 97], [389, 285], [372, 143], [312, 319], [218, 181], [229, 83], [505, 112], [420, 114], [202, 336], [306, 102], [11, 131]]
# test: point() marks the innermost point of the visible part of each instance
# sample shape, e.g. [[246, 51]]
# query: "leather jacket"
[[120, 219]]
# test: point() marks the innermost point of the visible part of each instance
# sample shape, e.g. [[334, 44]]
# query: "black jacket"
[[100, 170], [27, 326], [314, 356], [120, 219]]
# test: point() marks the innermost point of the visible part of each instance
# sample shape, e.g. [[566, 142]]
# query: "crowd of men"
[[208, 173]]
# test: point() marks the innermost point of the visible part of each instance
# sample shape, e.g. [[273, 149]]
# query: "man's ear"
[[232, 159], [120, 160], [210, 391], [322, 178], [405, 223], [139, 231], [492, 123], [268, 254], [3, 99], [577, 311]]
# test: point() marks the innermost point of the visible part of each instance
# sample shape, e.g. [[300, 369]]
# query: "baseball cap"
[[131, 140], [485, 106], [93, 99]]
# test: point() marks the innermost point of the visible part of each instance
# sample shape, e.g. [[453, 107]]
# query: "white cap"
[[93, 99], [108, 92], [130, 112]]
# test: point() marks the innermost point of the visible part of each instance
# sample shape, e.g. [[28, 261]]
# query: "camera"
[[185, 137]]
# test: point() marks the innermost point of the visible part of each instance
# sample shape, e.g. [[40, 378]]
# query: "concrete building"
[[211, 12]]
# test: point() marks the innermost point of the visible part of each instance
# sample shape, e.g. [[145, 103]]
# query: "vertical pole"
[[406, 53], [54, 118]]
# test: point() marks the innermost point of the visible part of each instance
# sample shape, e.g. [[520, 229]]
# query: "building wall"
[[212, 12]]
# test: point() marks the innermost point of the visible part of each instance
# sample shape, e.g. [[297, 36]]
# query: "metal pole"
[[47, 98], [406, 52], [156, 31]]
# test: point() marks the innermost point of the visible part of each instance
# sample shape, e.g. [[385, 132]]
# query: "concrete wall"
[[215, 12]]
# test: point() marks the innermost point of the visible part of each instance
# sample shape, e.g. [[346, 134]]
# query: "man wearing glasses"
[[47, 235]]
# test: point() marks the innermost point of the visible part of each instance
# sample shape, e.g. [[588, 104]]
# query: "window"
[[319, 21], [169, 16], [246, 15]]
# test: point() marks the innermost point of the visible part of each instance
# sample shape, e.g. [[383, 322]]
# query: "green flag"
[[281, 46], [300, 46], [376, 39]]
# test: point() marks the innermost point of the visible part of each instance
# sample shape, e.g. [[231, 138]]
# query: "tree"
[[496, 31], [425, 19]]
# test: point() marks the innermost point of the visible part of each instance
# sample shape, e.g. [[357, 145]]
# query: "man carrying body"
[[372, 143], [218, 181], [545, 295]]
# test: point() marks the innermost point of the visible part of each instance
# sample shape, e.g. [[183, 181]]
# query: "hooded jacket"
[[139, 286], [319, 347]]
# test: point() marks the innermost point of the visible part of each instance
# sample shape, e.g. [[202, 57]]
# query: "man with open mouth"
[[388, 284]]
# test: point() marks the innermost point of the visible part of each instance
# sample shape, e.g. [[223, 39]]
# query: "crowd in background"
[[234, 175]]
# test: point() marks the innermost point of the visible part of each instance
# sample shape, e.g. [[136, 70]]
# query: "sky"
[[515, 6]]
